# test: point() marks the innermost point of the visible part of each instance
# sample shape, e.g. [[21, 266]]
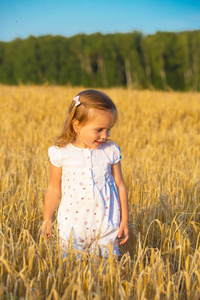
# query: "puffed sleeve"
[[54, 155], [114, 153]]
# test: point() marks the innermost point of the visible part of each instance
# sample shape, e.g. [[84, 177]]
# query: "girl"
[[86, 167]]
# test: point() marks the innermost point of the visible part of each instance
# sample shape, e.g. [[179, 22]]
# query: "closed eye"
[[99, 130]]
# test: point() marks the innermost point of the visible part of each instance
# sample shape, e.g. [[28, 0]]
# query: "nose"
[[104, 135]]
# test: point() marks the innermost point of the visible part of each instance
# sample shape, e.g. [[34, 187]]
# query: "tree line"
[[164, 60]]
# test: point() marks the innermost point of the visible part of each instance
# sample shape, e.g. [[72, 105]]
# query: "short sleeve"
[[54, 155], [113, 152], [116, 153]]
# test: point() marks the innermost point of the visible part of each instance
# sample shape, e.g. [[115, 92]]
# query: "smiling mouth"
[[99, 142]]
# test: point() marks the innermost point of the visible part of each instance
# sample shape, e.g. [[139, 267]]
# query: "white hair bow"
[[76, 99]]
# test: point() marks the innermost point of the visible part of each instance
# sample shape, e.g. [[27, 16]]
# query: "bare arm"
[[51, 198], [123, 198]]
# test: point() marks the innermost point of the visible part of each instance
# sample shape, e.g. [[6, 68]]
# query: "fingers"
[[48, 231], [126, 235], [49, 236], [124, 240], [45, 229], [43, 232], [121, 229]]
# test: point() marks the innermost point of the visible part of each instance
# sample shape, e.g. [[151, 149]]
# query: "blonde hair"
[[88, 99]]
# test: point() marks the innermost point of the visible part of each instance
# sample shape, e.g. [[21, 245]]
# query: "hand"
[[123, 229], [46, 228]]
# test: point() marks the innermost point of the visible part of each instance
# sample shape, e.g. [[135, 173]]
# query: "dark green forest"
[[164, 60]]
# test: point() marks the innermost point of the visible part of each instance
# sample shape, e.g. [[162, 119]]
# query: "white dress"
[[89, 211]]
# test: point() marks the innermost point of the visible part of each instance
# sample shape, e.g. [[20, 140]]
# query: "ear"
[[75, 125]]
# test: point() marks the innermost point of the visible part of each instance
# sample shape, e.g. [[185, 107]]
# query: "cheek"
[[93, 136], [97, 134]]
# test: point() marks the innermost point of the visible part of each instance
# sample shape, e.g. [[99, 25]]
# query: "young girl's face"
[[95, 131]]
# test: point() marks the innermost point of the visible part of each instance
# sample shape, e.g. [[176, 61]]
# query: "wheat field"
[[159, 136]]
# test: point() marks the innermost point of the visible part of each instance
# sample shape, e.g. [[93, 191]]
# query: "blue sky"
[[21, 18]]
